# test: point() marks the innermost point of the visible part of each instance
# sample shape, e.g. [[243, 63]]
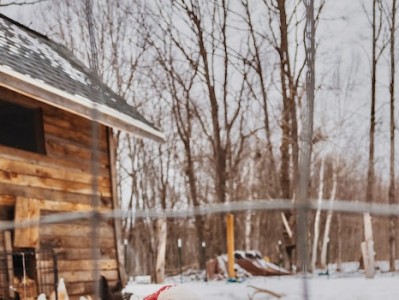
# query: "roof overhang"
[[76, 104]]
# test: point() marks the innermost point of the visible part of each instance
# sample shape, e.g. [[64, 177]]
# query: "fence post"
[[55, 265]]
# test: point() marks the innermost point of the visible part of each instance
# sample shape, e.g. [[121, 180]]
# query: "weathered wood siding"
[[61, 180]]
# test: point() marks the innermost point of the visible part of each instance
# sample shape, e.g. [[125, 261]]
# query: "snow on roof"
[[33, 56]]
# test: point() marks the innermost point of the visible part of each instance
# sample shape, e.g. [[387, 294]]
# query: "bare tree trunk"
[[285, 180], [391, 193], [248, 215], [371, 173], [317, 218], [306, 138], [248, 230], [326, 238], [339, 250], [161, 230], [259, 70]]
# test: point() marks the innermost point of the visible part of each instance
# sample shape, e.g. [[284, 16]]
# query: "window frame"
[[37, 125]]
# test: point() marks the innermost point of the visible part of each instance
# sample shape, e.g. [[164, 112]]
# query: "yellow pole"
[[230, 245]]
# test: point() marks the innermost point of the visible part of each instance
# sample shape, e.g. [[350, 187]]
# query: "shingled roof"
[[33, 65]]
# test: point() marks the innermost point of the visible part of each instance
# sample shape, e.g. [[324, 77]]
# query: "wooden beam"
[[86, 276], [10, 266], [57, 241], [80, 265], [78, 254], [14, 190], [117, 222], [50, 183], [26, 210], [7, 200], [230, 245], [73, 229], [34, 169], [46, 161], [66, 206]]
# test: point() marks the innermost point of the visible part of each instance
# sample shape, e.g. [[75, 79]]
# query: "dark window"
[[21, 127]]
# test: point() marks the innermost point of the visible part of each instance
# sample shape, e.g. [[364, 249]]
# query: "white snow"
[[384, 286]]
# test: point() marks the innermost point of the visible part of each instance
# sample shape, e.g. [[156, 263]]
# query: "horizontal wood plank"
[[74, 136], [52, 241], [12, 190], [62, 119], [79, 265], [79, 254], [59, 148], [50, 183], [72, 229], [34, 169], [86, 276], [43, 160], [7, 200]]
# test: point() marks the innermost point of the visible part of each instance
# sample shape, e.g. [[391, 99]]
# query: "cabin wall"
[[61, 181]]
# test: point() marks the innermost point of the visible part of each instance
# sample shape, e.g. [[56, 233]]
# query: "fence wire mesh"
[[46, 274], [47, 270]]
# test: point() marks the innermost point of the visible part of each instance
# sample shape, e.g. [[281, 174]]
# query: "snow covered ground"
[[342, 286]]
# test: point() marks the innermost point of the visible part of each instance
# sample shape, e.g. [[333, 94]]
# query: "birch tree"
[[377, 26], [317, 218], [326, 236]]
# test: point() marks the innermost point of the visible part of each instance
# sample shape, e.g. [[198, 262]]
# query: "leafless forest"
[[225, 82]]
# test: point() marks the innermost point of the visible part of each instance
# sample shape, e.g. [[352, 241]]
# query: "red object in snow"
[[154, 296]]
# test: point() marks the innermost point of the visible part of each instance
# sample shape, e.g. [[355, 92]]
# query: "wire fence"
[[344, 206], [47, 276]]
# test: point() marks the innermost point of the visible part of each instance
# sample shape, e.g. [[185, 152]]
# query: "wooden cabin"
[[49, 102]]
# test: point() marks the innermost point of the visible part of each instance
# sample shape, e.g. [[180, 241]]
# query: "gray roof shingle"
[[34, 55]]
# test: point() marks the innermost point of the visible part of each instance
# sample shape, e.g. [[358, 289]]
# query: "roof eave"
[[76, 104]]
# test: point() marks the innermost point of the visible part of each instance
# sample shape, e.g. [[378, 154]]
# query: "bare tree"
[[391, 193], [327, 227], [199, 61], [376, 24], [256, 62], [317, 218]]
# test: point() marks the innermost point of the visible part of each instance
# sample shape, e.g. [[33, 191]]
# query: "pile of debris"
[[247, 264]]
